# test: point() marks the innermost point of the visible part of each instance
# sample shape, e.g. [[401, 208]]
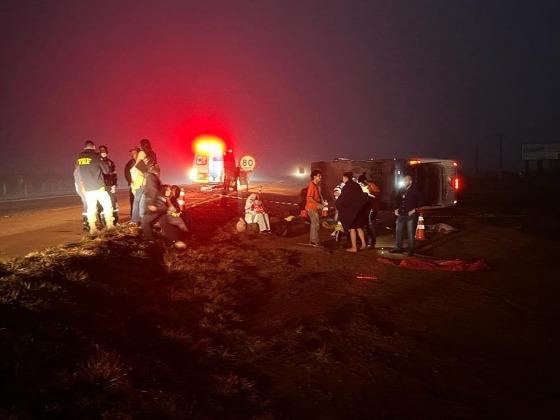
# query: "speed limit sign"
[[247, 163]]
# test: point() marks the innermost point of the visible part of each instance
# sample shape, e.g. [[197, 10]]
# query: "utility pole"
[[476, 160], [500, 154]]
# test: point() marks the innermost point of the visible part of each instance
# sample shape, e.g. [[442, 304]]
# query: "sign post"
[[247, 165]]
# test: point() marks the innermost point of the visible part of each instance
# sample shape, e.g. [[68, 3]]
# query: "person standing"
[[144, 161], [229, 171], [128, 176], [89, 175], [353, 210], [314, 203], [373, 194], [146, 155], [110, 181], [80, 192], [407, 202]]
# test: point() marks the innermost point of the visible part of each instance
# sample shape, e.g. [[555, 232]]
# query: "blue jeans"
[[410, 223], [138, 206]]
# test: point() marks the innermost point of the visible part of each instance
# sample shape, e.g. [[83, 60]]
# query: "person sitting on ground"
[[254, 213], [156, 210], [352, 206], [174, 208], [178, 201]]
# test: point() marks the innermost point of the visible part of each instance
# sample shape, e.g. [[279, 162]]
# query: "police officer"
[[89, 177], [110, 181], [80, 192]]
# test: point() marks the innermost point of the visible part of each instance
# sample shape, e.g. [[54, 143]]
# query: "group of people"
[[95, 180], [357, 201], [357, 204]]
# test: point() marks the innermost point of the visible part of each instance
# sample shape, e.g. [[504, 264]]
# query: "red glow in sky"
[[287, 82], [208, 144]]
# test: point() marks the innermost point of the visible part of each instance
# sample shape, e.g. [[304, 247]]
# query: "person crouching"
[[178, 201], [157, 208]]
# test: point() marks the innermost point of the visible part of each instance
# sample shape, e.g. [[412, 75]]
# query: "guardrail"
[[14, 186]]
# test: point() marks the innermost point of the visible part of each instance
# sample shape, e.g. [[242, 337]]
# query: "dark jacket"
[[350, 203], [153, 192], [229, 165], [111, 177], [127, 169], [150, 160], [407, 200], [89, 170]]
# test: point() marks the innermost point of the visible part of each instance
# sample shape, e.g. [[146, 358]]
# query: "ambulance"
[[208, 163]]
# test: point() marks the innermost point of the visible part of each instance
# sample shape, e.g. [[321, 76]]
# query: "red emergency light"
[[208, 144], [455, 183]]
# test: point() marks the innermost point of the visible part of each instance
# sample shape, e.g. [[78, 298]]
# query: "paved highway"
[[35, 223]]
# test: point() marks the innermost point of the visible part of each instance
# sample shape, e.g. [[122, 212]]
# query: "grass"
[[244, 327], [113, 327]]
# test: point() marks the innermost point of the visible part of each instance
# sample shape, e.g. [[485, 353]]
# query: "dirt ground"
[[29, 224], [243, 326]]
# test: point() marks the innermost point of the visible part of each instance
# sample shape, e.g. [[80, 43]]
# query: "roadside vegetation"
[[240, 326]]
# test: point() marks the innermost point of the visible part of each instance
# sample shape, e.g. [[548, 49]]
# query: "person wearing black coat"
[[110, 181], [407, 201], [352, 206]]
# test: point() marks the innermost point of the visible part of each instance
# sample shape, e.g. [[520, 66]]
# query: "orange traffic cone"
[[420, 229]]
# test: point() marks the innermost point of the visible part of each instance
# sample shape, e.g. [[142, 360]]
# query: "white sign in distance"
[[247, 163]]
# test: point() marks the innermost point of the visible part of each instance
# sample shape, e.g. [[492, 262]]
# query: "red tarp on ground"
[[415, 263]]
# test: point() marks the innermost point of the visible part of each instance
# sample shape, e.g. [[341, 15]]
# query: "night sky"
[[287, 81]]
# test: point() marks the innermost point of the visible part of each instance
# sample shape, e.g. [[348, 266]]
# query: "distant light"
[[414, 162], [454, 201], [300, 172], [455, 164]]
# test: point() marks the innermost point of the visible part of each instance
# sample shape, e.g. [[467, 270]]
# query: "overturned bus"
[[436, 179]]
